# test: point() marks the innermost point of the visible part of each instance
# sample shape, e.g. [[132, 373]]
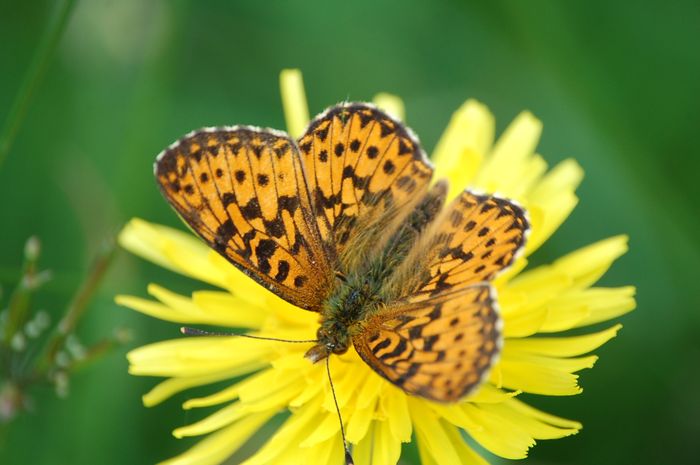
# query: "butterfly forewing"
[[243, 191], [363, 168], [439, 347]]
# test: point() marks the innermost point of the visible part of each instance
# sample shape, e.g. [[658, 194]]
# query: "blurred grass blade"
[[34, 75]]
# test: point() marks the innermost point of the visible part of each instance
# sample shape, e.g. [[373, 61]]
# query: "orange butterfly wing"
[[475, 237], [364, 169], [439, 348], [243, 191]]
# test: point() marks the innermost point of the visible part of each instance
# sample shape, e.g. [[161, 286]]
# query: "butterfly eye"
[[339, 348]]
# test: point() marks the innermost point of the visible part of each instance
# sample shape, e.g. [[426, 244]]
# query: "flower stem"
[[33, 78]]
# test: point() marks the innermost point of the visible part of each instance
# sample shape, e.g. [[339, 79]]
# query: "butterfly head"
[[331, 340]]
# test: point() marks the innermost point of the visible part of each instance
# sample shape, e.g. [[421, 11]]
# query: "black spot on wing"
[[282, 271], [263, 252], [251, 210]]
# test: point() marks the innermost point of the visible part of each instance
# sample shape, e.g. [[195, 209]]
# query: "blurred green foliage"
[[617, 85]]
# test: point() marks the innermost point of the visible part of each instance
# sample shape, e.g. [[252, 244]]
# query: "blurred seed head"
[[18, 342], [62, 359], [10, 401], [61, 383], [32, 249], [75, 348]]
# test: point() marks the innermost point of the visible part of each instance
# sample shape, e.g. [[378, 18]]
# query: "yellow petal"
[[217, 447], [524, 324], [562, 346], [347, 385], [296, 111], [172, 386], [549, 217], [566, 365], [532, 290], [426, 458], [321, 431], [537, 378], [543, 416], [457, 415], [263, 386], [205, 307], [387, 449], [461, 148], [229, 309], [431, 433], [467, 455], [539, 284], [444, 442], [170, 248], [398, 417], [198, 356], [533, 426], [564, 177], [370, 389], [584, 307], [588, 264], [329, 451], [150, 308], [391, 104], [227, 394], [605, 304], [551, 201], [288, 436], [509, 158], [362, 452], [554, 298], [359, 423], [530, 173], [498, 433], [314, 385], [217, 420], [563, 315], [488, 394]]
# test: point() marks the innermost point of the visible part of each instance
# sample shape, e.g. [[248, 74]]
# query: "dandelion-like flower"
[[269, 378]]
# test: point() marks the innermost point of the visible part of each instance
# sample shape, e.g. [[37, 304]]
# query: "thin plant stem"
[[20, 299], [33, 77], [79, 303]]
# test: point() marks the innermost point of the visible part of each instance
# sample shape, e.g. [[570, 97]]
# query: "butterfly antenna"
[[348, 456], [187, 331]]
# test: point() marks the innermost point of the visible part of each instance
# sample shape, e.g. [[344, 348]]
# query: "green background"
[[617, 85]]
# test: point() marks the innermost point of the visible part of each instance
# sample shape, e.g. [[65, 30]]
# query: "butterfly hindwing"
[[364, 170], [439, 348], [243, 191]]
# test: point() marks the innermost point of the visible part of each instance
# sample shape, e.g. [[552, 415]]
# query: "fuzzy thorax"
[[346, 309]]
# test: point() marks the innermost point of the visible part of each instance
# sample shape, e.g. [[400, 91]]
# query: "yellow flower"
[[268, 378]]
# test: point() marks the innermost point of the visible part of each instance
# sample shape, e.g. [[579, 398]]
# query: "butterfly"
[[345, 222]]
